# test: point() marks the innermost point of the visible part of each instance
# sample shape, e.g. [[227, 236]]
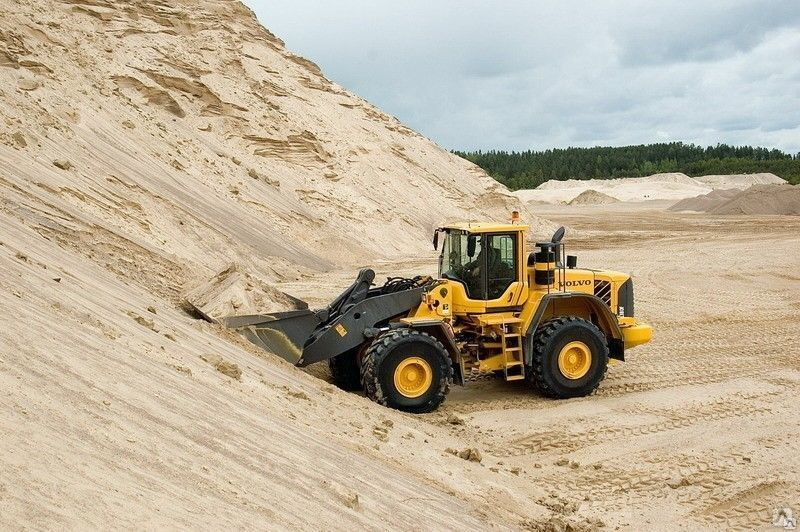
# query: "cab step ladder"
[[511, 343]]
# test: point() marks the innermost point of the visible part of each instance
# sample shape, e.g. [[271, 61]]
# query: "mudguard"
[[607, 322]]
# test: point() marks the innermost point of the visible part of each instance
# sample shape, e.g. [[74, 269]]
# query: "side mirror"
[[558, 235], [436, 239], [472, 241]]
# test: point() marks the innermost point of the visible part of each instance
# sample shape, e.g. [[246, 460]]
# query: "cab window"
[[484, 263], [501, 264], [461, 259]]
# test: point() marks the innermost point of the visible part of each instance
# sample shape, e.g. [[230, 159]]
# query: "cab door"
[[503, 275], [486, 270]]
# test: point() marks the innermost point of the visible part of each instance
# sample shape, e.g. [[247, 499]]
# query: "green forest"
[[528, 169]]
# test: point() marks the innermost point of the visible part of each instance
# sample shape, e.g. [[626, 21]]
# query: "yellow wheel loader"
[[494, 308]]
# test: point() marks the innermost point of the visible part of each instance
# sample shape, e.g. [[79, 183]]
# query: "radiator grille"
[[602, 289]]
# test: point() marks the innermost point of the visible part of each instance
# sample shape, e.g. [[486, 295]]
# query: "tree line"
[[529, 169]]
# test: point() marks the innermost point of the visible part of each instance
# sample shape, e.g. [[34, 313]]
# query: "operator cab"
[[486, 259]]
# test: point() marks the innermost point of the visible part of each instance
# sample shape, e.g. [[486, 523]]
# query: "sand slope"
[[762, 199], [757, 199], [145, 147], [116, 414], [211, 142], [706, 201]]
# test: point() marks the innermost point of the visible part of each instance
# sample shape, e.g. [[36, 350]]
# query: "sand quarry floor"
[[118, 409], [697, 429]]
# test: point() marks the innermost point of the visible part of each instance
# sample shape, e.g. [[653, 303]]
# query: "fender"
[[606, 321]]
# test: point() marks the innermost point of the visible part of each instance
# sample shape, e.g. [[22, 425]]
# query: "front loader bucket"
[[282, 333], [271, 319], [302, 336]]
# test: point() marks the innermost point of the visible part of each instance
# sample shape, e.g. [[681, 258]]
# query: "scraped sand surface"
[[686, 433], [707, 201]]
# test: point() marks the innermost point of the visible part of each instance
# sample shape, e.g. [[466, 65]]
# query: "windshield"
[[485, 263], [460, 259]]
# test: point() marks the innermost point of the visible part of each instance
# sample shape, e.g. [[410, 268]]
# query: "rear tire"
[[408, 370], [345, 371], [570, 358]]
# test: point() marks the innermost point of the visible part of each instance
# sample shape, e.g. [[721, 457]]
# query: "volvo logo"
[[577, 282]]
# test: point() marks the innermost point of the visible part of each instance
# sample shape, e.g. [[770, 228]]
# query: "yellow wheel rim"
[[412, 377], [574, 360]]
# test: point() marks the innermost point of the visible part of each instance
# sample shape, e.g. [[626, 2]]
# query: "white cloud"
[[519, 74]]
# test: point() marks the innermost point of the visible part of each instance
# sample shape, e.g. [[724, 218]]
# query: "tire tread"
[[382, 347], [537, 375]]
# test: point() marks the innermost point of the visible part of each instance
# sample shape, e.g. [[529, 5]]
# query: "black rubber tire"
[[345, 371], [386, 353], [550, 338]]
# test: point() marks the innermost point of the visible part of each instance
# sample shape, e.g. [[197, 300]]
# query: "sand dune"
[[214, 143], [740, 181], [658, 186]]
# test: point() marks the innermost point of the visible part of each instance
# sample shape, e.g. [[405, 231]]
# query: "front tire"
[[570, 358], [407, 370]]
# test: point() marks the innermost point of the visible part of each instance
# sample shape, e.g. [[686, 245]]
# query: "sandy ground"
[[697, 429], [120, 409]]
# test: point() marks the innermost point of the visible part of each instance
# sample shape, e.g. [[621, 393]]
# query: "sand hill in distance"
[[592, 197], [670, 186], [706, 201]]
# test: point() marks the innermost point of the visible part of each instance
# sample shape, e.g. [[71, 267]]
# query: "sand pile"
[[212, 143], [147, 145], [592, 197], [654, 187], [670, 186], [758, 199], [740, 181], [762, 199], [706, 201]]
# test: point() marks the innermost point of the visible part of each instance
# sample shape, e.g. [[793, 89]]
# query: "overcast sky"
[[540, 74]]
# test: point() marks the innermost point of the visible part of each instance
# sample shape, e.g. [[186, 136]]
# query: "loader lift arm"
[[303, 337]]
